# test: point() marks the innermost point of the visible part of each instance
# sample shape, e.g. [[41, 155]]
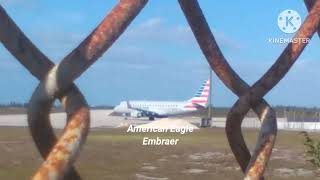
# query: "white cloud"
[[158, 30], [152, 22]]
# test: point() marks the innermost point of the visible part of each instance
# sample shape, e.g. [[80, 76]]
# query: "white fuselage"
[[154, 109], [161, 108]]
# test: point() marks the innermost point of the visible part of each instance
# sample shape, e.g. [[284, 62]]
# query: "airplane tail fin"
[[201, 97]]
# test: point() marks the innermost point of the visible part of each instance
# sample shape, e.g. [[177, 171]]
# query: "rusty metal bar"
[[231, 79], [277, 71], [81, 58], [38, 65], [58, 81], [309, 4], [287, 57], [91, 43], [61, 157], [108, 31], [210, 48], [220, 65], [15, 41]]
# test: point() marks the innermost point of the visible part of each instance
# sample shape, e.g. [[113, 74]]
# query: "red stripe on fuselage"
[[199, 101]]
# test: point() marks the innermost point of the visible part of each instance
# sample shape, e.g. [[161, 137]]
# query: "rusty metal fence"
[[56, 82]]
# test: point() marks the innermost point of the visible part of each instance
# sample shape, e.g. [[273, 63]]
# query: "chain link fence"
[[56, 82]]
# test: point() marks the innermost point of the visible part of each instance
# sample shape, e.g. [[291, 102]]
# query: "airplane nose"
[[116, 108]]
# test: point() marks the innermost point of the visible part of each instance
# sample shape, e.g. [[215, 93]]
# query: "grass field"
[[115, 154]]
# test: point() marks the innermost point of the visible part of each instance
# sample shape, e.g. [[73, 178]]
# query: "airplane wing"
[[145, 112]]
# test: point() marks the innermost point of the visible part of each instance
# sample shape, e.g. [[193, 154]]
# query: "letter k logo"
[[289, 21]]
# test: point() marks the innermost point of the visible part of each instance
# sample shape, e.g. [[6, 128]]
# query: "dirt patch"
[[195, 171], [148, 168], [116, 155], [207, 155], [144, 177]]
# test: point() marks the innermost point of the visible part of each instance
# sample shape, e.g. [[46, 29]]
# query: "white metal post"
[[209, 100]]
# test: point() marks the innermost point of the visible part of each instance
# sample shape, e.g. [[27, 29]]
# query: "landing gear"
[[151, 118], [206, 122], [124, 115]]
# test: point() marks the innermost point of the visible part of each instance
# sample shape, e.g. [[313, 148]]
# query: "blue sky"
[[157, 57]]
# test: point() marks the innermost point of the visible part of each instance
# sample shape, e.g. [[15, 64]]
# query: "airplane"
[[163, 109]]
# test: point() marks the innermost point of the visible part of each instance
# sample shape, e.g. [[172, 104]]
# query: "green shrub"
[[312, 149]]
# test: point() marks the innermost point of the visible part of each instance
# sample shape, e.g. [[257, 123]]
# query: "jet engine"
[[136, 114]]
